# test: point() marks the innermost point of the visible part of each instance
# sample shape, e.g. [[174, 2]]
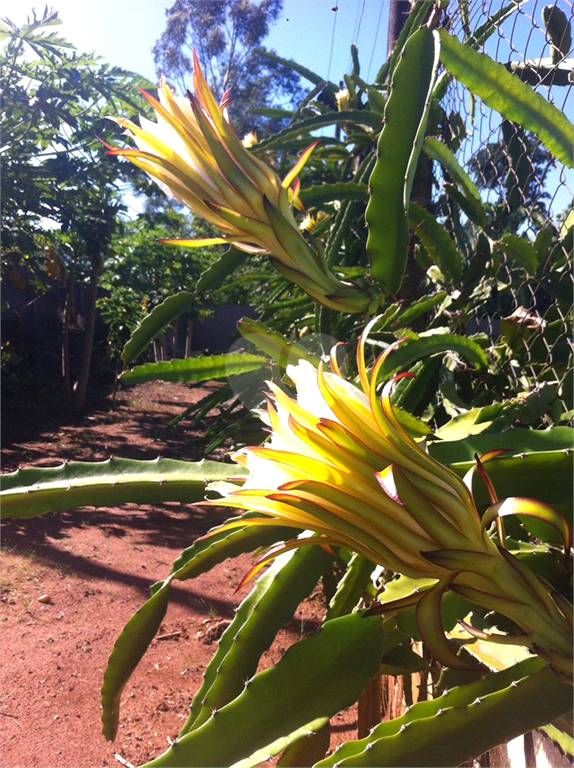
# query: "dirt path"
[[71, 581]]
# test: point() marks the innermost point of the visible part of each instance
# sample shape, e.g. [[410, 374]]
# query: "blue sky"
[[309, 31], [124, 31]]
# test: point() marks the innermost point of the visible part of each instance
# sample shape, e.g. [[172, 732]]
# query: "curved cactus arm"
[[128, 651], [269, 606], [398, 149], [316, 678], [439, 245], [351, 587], [496, 657], [140, 630], [219, 544], [195, 369], [464, 722], [312, 746], [154, 323], [36, 491], [544, 475], [560, 731], [506, 93]]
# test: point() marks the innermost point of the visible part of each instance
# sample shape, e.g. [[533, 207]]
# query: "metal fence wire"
[[530, 195]]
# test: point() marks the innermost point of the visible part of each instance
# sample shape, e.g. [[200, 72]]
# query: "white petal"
[[309, 397]]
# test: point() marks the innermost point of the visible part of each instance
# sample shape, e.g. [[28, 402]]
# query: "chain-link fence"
[[528, 306]]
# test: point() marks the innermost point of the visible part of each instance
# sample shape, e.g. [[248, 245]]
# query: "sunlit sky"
[[124, 31]]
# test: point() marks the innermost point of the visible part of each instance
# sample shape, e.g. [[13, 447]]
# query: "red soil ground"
[[96, 568]]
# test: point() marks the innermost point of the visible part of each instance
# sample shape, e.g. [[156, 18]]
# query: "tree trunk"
[[189, 338], [81, 386], [398, 14], [66, 375], [370, 705]]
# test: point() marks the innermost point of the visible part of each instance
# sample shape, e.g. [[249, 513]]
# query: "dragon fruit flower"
[[194, 155], [340, 463]]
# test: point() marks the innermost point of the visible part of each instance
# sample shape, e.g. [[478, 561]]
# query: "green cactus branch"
[[36, 491], [436, 733]]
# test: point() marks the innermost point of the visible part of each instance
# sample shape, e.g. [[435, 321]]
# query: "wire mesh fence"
[[528, 192]]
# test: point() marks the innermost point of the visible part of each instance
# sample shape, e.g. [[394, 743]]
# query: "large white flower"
[[340, 463]]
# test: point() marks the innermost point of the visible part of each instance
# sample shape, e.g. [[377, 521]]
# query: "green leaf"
[[316, 678], [152, 325], [560, 735], [318, 729], [277, 114], [438, 243], [418, 308], [128, 651], [35, 491], [136, 637], [521, 250], [195, 369], [217, 272], [327, 193], [441, 153], [351, 587], [474, 421], [509, 96], [436, 733], [219, 545], [429, 623], [398, 149]]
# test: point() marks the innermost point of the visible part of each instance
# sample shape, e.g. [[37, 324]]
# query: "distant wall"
[[33, 324], [217, 333]]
